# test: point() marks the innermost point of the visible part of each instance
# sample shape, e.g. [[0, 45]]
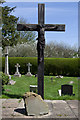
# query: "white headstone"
[[59, 91], [29, 73], [29, 65], [17, 70], [71, 82]]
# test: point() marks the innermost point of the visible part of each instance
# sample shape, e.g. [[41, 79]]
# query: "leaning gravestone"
[[29, 73], [66, 89], [34, 104], [17, 71]]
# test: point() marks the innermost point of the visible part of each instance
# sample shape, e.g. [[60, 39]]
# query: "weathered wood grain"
[[54, 27], [36, 27], [27, 27]]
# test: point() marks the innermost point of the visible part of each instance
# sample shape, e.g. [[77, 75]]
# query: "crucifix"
[[41, 28]]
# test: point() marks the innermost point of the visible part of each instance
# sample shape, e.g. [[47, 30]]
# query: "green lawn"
[[50, 88]]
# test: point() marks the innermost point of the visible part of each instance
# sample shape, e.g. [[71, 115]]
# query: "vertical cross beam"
[[41, 28], [40, 49]]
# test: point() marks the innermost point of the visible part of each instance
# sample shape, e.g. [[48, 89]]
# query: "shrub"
[[4, 78], [62, 66], [52, 66]]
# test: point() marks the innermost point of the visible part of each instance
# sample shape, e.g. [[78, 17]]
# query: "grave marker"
[[51, 79], [17, 70], [66, 89], [29, 65], [29, 73], [35, 105], [6, 62], [41, 28]]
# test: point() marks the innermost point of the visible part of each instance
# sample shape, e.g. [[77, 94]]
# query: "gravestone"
[[71, 82], [51, 79], [33, 88], [41, 27], [29, 73], [34, 104], [59, 76], [6, 63], [11, 82], [59, 91], [66, 89], [17, 74]]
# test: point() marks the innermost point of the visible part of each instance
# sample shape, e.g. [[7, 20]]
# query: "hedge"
[[4, 78], [52, 66]]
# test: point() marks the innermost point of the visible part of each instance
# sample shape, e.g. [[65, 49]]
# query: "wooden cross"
[[41, 28]]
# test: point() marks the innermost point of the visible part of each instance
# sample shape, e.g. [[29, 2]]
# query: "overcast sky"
[[55, 13]]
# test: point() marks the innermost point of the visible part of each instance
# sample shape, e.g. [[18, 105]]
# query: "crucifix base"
[[17, 74], [28, 74]]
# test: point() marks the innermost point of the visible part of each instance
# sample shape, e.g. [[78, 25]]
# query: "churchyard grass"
[[50, 88]]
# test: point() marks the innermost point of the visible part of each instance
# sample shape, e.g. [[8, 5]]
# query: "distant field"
[[50, 88]]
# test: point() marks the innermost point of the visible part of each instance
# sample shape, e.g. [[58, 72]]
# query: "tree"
[[59, 50], [26, 36], [9, 34], [2, 1], [51, 50], [23, 50]]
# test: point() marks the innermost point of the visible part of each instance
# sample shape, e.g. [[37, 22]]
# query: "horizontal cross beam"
[[36, 27]]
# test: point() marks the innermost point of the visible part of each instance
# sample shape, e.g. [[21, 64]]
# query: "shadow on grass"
[[12, 95]]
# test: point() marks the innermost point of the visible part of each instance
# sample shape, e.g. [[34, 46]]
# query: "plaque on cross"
[[41, 27]]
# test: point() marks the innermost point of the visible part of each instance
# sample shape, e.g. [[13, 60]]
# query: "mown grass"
[[50, 88]]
